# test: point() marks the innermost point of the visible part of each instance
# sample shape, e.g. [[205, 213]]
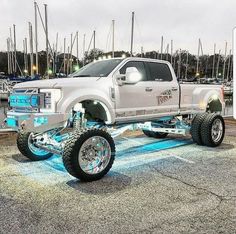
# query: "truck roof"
[[142, 59]]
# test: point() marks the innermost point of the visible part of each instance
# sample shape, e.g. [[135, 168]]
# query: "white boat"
[[228, 89], [5, 89]]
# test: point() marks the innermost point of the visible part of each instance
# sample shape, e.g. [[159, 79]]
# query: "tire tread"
[[196, 128], [22, 145], [206, 130], [69, 154]]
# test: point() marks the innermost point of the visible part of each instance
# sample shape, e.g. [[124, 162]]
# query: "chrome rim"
[[94, 155], [35, 150], [217, 130]]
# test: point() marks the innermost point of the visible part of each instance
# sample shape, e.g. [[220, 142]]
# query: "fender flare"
[[214, 103], [110, 113]]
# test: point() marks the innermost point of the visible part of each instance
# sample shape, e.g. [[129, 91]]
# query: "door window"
[[159, 72], [139, 65]]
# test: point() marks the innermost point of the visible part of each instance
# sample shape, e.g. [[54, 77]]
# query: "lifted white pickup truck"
[[78, 117]]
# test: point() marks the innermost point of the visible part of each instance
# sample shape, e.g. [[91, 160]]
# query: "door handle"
[[148, 89], [174, 89]]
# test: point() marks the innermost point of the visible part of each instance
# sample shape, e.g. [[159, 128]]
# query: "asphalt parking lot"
[[155, 186]]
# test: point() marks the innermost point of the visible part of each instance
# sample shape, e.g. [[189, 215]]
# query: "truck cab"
[[155, 92]]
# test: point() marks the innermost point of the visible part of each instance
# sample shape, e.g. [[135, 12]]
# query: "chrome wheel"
[[35, 150], [217, 130], [94, 155]]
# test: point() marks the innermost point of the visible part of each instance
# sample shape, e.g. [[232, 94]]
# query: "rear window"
[[159, 72]]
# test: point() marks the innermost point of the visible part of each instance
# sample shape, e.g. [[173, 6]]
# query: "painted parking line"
[[183, 159]]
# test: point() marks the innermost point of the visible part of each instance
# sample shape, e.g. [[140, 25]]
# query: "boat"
[[228, 89]]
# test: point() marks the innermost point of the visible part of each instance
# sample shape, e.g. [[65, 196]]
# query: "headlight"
[[51, 98]]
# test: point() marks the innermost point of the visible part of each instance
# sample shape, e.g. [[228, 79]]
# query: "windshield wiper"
[[82, 76]]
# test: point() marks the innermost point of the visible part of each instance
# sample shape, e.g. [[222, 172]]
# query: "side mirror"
[[132, 75]]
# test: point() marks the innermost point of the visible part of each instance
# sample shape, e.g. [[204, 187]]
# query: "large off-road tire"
[[27, 148], [196, 128], [213, 130], [89, 154], [159, 135]]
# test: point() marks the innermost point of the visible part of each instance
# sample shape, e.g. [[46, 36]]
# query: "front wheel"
[[29, 150], [88, 155], [213, 130]]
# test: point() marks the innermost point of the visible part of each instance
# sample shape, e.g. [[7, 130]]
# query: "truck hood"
[[60, 83]]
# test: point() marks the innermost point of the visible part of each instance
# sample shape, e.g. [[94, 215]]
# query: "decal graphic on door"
[[164, 97]]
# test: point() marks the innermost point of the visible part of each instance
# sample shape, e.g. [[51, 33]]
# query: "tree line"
[[184, 63]]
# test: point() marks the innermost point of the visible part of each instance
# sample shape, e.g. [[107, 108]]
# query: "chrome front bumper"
[[35, 122]]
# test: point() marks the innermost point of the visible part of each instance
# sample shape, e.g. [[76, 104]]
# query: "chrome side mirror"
[[132, 75]]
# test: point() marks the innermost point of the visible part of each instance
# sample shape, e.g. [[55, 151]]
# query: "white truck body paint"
[[131, 102]]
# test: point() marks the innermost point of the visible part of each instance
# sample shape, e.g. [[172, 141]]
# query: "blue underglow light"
[[11, 122], [143, 154], [153, 147], [38, 121], [132, 154]]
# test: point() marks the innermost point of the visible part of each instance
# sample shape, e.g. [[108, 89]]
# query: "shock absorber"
[[79, 120]]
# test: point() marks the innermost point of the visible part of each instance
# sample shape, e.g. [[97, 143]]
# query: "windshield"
[[98, 69]]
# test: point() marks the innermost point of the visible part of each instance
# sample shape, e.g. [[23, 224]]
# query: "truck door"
[[164, 89], [133, 99]]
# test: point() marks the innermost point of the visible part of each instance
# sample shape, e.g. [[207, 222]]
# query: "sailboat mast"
[[31, 48], [167, 51], [206, 71], [68, 61], [36, 37], [46, 31], [26, 56], [223, 76], [14, 37], [132, 35], [171, 52], [113, 38], [198, 54], [179, 64], [229, 64], [94, 44], [8, 57], [142, 51], [162, 40], [218, 64], [84, 49], [71, 48], [64, 57], [77, 48], [214, 58], [11, 53], [55, 60], [186, 71]]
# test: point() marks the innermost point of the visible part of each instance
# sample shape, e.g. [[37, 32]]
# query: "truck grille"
[[26, 100]]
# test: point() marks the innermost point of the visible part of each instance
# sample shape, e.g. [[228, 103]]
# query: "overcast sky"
[[184, 21]]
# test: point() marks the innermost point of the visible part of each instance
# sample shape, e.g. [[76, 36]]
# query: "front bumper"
[[35, 122]]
